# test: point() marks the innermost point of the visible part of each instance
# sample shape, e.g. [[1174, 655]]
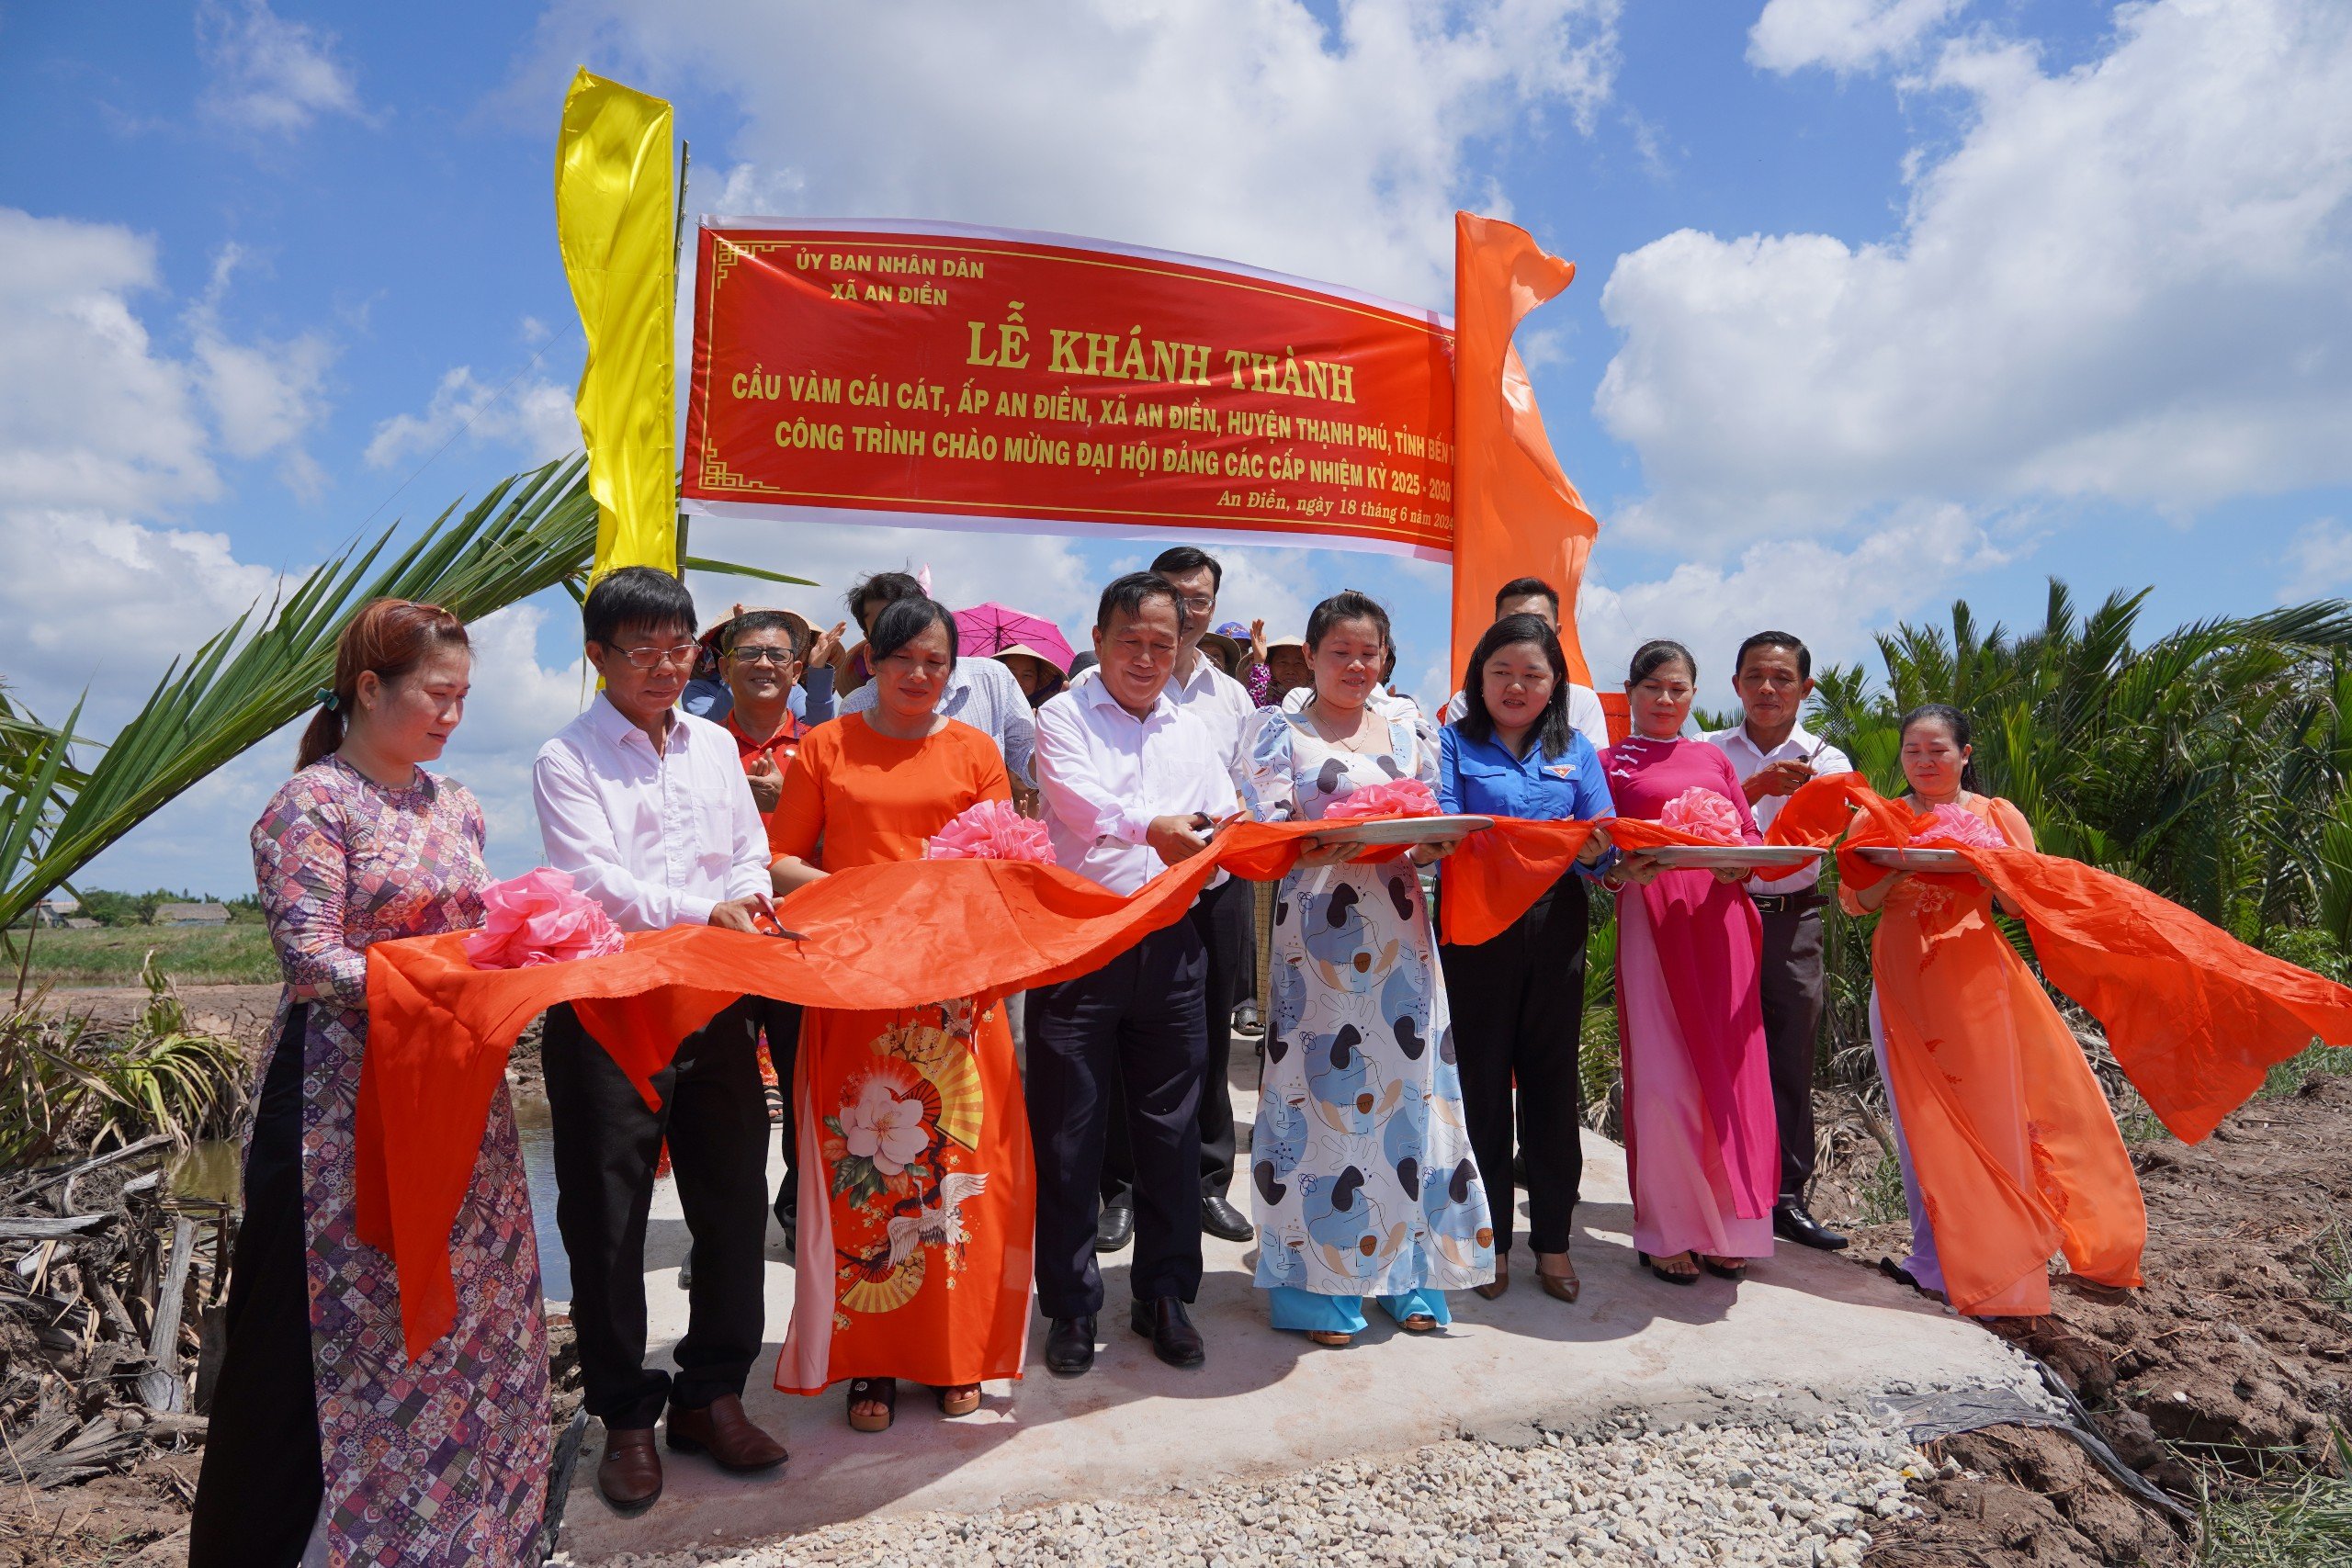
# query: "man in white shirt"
[[1772, 754], [647, 809], [1224, 915], [981, 692], [1533, 596], [1131, 781]]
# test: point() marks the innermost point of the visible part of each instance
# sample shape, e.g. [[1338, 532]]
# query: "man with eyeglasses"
[[762, 662], [650, 812]]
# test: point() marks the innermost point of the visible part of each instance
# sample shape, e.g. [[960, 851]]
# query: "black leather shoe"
[[1224, 1222], [1245, 1020], [1115, 1226], [1170, 1328], [1789, 1221], [1069, 1346]]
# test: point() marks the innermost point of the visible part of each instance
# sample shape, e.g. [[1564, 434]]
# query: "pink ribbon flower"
[[1398, 798], [1703, 814], [538, 918], [991, 829]]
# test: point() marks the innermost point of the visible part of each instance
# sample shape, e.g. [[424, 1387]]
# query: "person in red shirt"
[[761, 665]]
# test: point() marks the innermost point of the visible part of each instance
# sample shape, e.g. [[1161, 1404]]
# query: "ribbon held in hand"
[[540, 918], [991, 829]]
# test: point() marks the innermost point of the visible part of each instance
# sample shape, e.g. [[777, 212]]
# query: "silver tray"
[[1946, 861], [1731, 857], [1382, 832]]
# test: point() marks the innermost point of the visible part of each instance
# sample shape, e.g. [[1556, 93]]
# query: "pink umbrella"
[[986, 629]]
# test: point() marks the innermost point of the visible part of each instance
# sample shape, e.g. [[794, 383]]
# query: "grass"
[[113, 955], [2315, 1062], [2304, 1524]]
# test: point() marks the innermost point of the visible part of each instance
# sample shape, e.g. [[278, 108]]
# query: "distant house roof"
[[191, 914], [80, 923]]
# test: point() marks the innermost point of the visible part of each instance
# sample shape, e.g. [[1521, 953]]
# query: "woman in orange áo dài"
[[2010, 1152], [918, 1189]]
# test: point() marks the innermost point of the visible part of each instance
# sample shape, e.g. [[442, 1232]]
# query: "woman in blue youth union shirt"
[[1518, 999]]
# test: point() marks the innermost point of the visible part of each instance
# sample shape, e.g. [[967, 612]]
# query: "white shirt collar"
[[1799, 743], [1092, 690], [618, 726]]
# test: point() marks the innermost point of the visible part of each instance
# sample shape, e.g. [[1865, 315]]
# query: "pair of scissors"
[[767, 912]]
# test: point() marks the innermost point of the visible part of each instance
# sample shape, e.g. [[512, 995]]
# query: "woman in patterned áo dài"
[[1362, 1174], [918, 1189], [327, 1445]]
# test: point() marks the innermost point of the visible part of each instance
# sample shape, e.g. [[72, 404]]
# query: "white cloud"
[[1843, 35], [2130, 280], [90, 414], [532, 416], [270, 75], [1833, 598], [1244, 129], [2319, 560], [264, 395]]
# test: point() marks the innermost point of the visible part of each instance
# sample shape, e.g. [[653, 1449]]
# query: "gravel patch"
[[1805, 1493]]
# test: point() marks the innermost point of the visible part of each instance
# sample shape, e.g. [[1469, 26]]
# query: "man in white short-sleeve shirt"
[[1773, 755]]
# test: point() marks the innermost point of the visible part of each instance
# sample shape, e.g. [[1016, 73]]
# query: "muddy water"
[[538, 1168]]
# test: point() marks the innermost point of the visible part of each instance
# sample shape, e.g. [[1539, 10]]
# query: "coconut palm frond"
[[531, 532]]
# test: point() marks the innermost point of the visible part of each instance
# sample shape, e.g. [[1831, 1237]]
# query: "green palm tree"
[[531, 532]]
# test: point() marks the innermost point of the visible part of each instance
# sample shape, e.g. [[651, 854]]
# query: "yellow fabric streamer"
[[615, 202]]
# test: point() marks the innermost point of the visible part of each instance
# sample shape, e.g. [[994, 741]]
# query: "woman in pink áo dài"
[[1700, 1141]]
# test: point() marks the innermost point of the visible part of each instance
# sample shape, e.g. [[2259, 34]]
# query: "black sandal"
[[1689, 1279], [1735, 1272], [883, 1391], [961, 1399]]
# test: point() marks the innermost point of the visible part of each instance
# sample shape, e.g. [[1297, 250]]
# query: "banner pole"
[[677, 255]]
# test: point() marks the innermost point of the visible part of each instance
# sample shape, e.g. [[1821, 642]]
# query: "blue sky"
[[1881, 302]]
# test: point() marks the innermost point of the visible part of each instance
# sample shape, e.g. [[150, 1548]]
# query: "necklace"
[[1348, 742]]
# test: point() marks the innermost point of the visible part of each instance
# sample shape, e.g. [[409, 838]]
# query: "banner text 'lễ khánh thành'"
[[1026, 383]]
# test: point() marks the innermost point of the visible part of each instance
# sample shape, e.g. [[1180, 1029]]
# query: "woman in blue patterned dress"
[[327, 1445], [1362, 1176]]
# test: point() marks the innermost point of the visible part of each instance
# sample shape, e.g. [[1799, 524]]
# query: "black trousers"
[[1518, 1006], [1790, 975], [1137, 1022], [1225, 918], [780, 1022], [606, 1144], [259, 1489]]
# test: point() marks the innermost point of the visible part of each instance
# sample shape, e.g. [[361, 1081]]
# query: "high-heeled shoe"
[[1559, 1286], [1650, 1264], [1499, 1284]]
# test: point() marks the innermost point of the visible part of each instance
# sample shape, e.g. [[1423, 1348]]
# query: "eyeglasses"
[[761, 655], [649, 657], [1200, 605]]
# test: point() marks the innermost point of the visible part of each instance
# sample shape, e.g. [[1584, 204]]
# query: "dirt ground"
[[243, 1012], [2228, 1363]]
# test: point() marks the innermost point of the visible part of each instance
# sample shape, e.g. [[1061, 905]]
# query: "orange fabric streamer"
[[1515, 514], [886, 936], [2195, 1017]]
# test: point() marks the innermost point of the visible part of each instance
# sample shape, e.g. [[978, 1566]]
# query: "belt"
[[1788, 903]]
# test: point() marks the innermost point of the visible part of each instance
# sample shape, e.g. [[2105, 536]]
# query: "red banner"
[[950, 378]]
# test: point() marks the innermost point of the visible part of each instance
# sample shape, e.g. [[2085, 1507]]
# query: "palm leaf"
[[531, 532]]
